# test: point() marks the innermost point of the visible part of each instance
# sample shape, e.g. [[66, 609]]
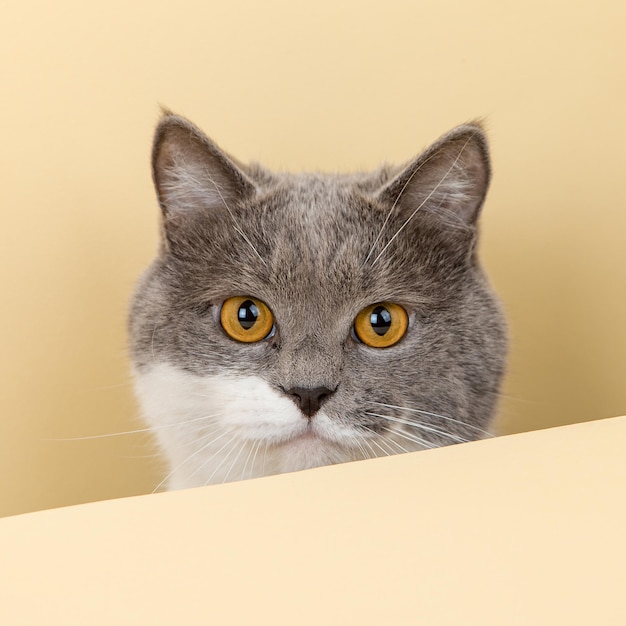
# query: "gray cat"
[[292, 321]]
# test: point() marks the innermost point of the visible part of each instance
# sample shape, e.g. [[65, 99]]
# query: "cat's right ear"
[[192, 174]]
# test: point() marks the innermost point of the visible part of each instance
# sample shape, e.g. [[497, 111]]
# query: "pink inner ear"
[[187, 186]]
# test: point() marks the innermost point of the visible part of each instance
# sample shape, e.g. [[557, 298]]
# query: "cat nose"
[[309, 399]]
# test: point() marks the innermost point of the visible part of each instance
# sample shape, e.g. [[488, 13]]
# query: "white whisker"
[[233, 441], [386, 440], [413, 424], [256, 452], [359, 445], [414, 439], [236, 225], [267, 443], [429, 414], [393, 206], [241, 448], [386, 452], [152, 342], [428, 197], [191, 456], [253, 447], [391, 440], [214, 392], [138, 430], [367, 443]]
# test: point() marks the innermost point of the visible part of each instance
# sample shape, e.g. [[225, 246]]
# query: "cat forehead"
[[317, 261], [317, 222], [319, 211], [325, 183], [313, 236], [317, 198]]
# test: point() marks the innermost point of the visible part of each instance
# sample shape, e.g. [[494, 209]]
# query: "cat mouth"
[[309, 434]]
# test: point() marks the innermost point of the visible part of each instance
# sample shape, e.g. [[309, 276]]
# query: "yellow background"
[[325, 85]]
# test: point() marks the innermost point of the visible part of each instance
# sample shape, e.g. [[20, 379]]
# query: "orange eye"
[[246, 319], [381, 325]]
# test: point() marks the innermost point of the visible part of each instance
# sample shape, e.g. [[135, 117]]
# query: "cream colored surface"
[[325, 85], [527, 529]]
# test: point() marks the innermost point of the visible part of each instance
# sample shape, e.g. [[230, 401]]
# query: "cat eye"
[[246, 319], [381, 325]]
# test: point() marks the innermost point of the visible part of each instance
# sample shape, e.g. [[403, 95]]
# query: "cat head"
[[296, 320]]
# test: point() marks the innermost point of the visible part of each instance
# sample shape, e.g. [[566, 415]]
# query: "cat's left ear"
[[449, 179]]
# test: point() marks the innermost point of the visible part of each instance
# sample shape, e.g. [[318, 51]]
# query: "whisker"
[[426, 199], [241, 448], [138, 430], [236, 225], [267, 443], [363, 451], [191, 456], [391, 440], [152, 342], [386, 440], [226, 456], [386, 452], [367, 443], [243, 393], [395, 202], [429, 414], [420, 426], [233, 441], [256, 452], [253, 446], [128, 383], [427, 444]]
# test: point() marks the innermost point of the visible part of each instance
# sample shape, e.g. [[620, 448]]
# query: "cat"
[[291, 321]]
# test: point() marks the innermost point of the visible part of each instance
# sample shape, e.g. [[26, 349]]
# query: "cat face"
[[292, 321]]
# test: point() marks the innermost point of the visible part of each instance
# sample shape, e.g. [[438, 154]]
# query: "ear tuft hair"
[[450, 178], [191, 173]]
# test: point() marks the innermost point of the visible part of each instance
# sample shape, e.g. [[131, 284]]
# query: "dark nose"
[[309, 400]]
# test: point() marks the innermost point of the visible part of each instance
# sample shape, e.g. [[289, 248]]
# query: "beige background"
[[324, 85]]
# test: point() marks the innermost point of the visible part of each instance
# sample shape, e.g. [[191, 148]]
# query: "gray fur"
[[317, 249]]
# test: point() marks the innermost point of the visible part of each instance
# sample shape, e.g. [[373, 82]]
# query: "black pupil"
[[247, 314], [380, 319]]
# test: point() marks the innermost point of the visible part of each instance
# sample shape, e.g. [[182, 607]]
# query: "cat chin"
[[218, 428], [309, 450]]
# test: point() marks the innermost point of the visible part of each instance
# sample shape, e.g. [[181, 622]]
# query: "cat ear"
[[450, 179], [191, 173]]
